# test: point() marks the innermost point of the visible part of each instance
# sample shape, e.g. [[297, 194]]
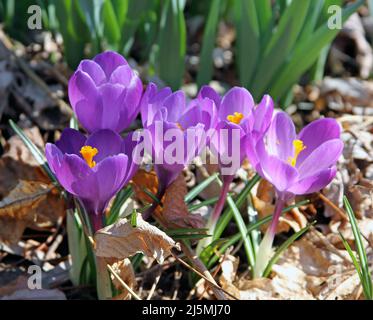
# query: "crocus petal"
[[314, 183], [167, 174], [199, 111], [123, 75], [228, 146], [236, 100], [281, 135], [81, 86], [208, 92], [130, 103], [54, 157], [321, 158], [175, 104], [89, 114], [135, 153], [77, 177], [279, 173], [107, 142], [94, 70], [151, 102], [71, 141], [109, 61], [110, 174], [263, 115], [111, 95], [316, 133]]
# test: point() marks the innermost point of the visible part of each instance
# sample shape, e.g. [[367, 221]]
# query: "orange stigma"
[[88, 153], [179, 126], [235, 118], [299, 147]]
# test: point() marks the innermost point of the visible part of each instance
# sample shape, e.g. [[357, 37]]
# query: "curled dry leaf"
[[125, 271], [174, 213], [121, 240], [20, 207], [18, 164], [145, 180]]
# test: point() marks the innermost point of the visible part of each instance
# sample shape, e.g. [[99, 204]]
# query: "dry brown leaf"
[[18, 164], [125, 271], [175, 212], [19, 209], [24, 198], [121, 240], [306, 270], [145, 180], [228, 275]]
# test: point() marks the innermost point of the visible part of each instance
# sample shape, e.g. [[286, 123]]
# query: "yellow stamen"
[[298, 148], [179, 126], [235, 118], [88, 153]]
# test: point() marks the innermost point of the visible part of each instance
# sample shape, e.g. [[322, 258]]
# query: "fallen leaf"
[[121, 240], [145, 180], [125, 271], [16, 165], [175, 212]]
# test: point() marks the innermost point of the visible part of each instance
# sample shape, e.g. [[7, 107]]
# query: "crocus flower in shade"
[[164, 112], [295, 165], [93, 169], [242, 123], [105, 93]]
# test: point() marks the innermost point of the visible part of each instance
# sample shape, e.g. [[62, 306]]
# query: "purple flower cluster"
[[107, 95]]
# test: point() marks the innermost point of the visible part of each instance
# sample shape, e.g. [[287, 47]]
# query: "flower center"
[[235, 118], [179, 126], [88, 153], [299, 147]]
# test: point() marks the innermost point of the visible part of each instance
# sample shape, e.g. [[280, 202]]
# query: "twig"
[[152, 289], [327, 244], [333, 206], [202, 272], [221, 260], [112, 271]]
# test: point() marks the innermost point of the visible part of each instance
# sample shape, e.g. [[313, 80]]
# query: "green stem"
[[265, 247], [103, 280]]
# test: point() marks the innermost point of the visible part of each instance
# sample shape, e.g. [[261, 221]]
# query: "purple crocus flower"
[[240, 123], [93, 169], [105, 93], [171, 121], [295, 165]]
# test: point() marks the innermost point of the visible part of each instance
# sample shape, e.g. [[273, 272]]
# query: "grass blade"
[[199, 188], [248, 39], [121, 197], [38, 155], [352, 256], [208, 43], [282, 248], [364, 266], [280, 45], [172, 43], [306, 53], [227, 214], [250, 228]]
